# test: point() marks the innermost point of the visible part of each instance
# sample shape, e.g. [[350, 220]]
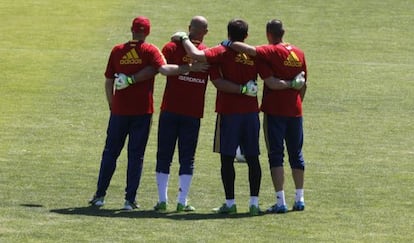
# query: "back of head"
[[141, 25], [237, 29], [199, 22], [198, 28], [275, 28]]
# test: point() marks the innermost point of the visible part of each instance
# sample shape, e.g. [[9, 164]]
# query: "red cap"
[[141, 24]]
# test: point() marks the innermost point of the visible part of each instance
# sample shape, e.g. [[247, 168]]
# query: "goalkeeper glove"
[[122, 81], [298, 81], [226, 43], [179, 36], [249, 89]]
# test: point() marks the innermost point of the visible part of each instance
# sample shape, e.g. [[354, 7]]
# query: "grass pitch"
[[358, 124]]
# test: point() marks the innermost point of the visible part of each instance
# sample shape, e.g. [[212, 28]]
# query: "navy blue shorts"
[[175, 128], [233, 130], [279, 130]]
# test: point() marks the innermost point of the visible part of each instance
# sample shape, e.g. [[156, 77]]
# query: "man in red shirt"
[[237, 111], [282, 107], [179, 121], [131, 107]]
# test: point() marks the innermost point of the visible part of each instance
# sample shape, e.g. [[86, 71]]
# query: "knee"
[[163, 167], [186, 169], [298, 164]]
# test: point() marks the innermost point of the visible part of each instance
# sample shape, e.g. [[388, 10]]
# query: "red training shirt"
[[286, 62], [130, 58], [238, 68], [185, 93]]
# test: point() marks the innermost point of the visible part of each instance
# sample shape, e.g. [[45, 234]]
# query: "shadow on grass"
[[111, 213]]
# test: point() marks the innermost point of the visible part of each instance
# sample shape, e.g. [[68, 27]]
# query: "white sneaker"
[[97, 201], [129, 206]]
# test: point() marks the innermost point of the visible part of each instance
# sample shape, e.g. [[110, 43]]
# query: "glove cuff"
[[131, 79], [183, 38], [243, 89]]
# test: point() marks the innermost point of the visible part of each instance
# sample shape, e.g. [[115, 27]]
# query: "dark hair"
[[275, 27], [237, 29]]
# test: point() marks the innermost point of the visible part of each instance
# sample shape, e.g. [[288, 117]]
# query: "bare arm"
[[303, 91], [244, 48], [145, 74], [109, 90], [193, 52], [227, 86], [173, 69], [276, 84]]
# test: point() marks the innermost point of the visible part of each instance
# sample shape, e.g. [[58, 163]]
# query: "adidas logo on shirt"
[[130, 58], [292, 60]]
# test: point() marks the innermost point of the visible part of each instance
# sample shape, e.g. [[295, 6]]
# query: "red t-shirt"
[[238, 68], [286, 62], [130, 58], [183, 94]]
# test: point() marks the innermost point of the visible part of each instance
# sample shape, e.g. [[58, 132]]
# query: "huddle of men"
[[233, 68]]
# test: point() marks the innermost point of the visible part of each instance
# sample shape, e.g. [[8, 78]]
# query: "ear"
[[269, 35]]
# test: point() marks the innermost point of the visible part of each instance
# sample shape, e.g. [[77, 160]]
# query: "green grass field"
[[358, 111]]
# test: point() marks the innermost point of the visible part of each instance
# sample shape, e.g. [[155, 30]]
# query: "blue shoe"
[[299, 206], [277, 209]]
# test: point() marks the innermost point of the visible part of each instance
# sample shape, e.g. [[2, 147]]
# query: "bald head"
[[199, 22], [198, 28]]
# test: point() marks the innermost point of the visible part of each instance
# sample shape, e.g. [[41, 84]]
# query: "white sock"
[[254, 201], [280, 198], [230, 202], [185, 183], [162, 184], [299, 195]]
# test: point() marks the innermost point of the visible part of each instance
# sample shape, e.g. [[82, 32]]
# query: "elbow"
[[163, 71]]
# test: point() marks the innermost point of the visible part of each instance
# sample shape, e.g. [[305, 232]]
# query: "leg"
[[255, 175], [187, 144], [115, 140], [274, 132], [298, 178], [294, 143], [138, 138], [226, 139], [228, 176], [167, 137], [278, 177], [250, 145], [274, 129]]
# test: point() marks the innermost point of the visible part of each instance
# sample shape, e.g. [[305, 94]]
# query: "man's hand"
[[226, 43], [249, 89], [298, 81], [122, 81], [179, 36]]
